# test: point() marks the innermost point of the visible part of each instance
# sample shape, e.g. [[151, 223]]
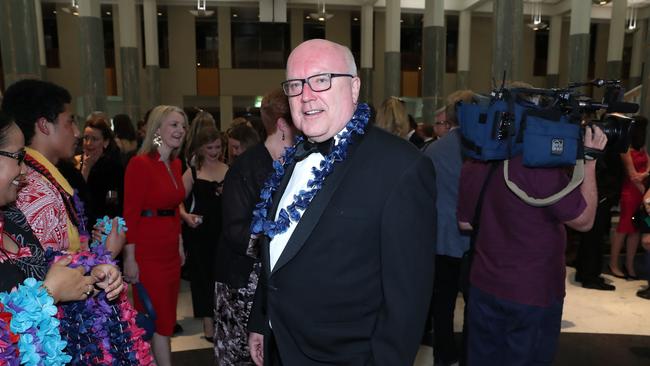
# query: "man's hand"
[[256, 348], [595, 139]]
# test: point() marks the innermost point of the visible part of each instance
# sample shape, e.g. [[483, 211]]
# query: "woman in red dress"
[[637, 167], [152, 194]]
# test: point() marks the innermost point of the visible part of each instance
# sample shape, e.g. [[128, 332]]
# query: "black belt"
[[152, 213]]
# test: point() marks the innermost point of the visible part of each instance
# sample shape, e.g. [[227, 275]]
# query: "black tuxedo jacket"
[[353, 284]]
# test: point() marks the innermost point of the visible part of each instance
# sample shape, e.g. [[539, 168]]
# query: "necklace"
[[293, 212]]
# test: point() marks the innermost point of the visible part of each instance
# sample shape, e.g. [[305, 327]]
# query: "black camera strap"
[[479, 205], [468, 257]]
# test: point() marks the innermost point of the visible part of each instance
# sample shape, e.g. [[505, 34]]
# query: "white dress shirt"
[[302, 173]]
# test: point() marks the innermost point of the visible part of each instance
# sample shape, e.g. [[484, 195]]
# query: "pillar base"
[[130, 81], [366, 85], [578, 57], [462, 80], [392, 74], [153, 86], [614, 69], [552, 81]]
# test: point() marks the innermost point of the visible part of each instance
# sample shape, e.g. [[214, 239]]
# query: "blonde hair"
[[156, 117], [392, 117]]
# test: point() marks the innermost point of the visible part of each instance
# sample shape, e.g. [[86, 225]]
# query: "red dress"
[[148, 186], [631, 196]]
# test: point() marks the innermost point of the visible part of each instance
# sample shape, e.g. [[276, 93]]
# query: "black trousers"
[[271, 352], [446, 285], [589, 261]]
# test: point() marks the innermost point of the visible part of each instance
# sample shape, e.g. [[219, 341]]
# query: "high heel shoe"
[[623, 276], [629, 276]]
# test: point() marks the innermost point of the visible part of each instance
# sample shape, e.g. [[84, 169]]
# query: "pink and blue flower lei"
[[33, 319], [261, 223]]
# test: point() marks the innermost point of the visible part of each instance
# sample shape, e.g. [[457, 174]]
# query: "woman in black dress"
[[102, 169], [202, 216], [236, 270]]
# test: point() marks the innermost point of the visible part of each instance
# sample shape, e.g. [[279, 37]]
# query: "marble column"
[[507, 25], [637, 54], [225, 62], [553, 61], [433, 58], [19, 41], [392, 54], [129, 59], [152, 62], [91, 44], [464, 43], [367, 42], [579, 40], [616, 39]]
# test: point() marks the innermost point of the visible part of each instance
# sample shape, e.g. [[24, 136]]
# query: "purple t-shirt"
[[519, 252]]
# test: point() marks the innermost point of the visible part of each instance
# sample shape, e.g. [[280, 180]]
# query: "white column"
[[40, 37], [367, 21], [617, 31], [464, 39], [150, 32], [637, 52]]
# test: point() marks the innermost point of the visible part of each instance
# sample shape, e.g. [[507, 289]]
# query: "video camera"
[[546, 126]]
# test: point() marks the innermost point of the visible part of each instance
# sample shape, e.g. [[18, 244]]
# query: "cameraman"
[[518, 270]]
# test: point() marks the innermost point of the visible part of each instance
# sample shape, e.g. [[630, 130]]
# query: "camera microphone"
[[622, 107]]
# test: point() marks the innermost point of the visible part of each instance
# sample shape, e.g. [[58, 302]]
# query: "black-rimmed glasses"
[[317, 83], [18, 156]]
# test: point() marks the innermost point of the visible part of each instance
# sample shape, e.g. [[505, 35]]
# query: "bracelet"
[[47, 289]]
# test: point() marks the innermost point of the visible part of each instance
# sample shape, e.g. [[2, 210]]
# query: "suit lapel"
[[315, 209], [265, 241]]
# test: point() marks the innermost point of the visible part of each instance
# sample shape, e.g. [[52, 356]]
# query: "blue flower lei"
[[33, 318], [261, 223]]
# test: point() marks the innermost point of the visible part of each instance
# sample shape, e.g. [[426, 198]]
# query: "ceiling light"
[[321, 14], [201, 9], [536, 17]]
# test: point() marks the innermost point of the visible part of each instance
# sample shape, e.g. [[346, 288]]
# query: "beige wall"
[[178, 82], [180, 78], [68, 74]]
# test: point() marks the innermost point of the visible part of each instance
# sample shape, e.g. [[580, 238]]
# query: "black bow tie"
[[306, 147]]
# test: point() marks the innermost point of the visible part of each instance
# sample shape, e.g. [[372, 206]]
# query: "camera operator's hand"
[[595, 141]]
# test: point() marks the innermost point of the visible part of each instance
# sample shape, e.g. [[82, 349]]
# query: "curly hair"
[[28, 100]]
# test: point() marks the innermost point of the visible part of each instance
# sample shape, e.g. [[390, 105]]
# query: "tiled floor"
[[585, 311]]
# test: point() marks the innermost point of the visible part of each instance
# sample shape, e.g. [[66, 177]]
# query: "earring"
[[157, 140], [282, 136]]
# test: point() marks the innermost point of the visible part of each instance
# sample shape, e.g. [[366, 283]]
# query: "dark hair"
[[102, 126], [123, 127], [275, 105], [638, 131], [28, 100], [5, 125], [245, 134]]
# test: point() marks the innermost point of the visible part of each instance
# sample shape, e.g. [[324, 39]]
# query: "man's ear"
[[41, 125], [356, 87]]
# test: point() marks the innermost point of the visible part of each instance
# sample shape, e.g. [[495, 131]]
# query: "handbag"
[[147, 319]]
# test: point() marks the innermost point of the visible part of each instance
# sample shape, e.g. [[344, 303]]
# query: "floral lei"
[[293, 212], [91, 332], [32, 319]]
